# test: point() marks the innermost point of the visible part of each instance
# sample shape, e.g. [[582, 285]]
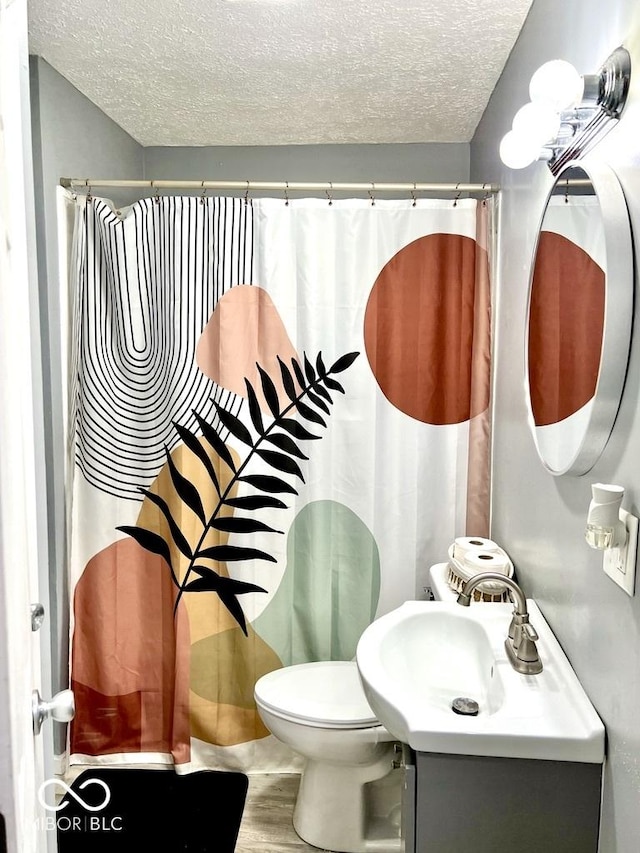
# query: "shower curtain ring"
[[413, 195], [286, 194], [371, 196], [486, 195], [246, 194], [459, 193], [88, 197], [329, 196], [156, 197], [204, 194]]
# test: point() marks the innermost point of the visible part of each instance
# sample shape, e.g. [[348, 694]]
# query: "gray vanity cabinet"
[[499, 805]]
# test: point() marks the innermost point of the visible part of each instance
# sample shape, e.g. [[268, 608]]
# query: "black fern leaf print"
[[309, 389]]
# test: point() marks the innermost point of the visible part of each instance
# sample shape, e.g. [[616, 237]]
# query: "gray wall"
[[71, 137], [539, 518], [404, 163]]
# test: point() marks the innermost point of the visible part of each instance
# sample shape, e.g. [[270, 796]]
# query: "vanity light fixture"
[[615, 531], [568, 113]]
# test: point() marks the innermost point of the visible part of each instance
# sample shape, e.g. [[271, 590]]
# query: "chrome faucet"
[[521, 642]]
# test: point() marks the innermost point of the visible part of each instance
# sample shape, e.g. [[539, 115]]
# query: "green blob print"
[[330, 589]]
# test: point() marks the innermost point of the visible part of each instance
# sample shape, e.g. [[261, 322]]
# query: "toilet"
[[350, 792], [349, 798]]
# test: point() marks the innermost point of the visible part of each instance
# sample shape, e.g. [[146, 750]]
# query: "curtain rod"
[[283, 186]]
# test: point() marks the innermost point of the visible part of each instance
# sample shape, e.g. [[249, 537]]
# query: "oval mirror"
[[579, 317]]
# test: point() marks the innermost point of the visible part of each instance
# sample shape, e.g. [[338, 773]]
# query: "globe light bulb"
[[538, 120], [518, 151], [558, 84]]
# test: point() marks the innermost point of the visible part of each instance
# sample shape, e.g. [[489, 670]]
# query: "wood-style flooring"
[[267, 825]]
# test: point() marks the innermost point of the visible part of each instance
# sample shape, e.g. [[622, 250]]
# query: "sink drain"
[[467, 707]]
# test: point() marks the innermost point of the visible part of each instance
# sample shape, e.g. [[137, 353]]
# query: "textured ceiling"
[[272, 72]]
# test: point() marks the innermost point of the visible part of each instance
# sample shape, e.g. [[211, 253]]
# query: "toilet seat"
[[326, 694]]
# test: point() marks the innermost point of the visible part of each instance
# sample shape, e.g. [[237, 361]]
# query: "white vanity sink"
[[416, 660]]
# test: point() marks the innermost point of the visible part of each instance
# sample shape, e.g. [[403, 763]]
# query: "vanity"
[[517, 766], [489, 804]]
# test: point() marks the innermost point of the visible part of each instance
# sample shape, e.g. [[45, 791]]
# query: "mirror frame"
[[618, 319]]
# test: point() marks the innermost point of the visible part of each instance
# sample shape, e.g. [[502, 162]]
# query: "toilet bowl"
[[349, 796]]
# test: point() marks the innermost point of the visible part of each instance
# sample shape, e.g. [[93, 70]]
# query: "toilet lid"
[[325, 693]]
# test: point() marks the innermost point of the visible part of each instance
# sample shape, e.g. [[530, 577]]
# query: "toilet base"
[[337, 804]]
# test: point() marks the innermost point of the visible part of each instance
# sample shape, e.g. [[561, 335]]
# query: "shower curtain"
[[278, 420]]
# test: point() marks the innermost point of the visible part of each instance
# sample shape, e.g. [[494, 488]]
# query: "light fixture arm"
[[613, 82], [593, 89]]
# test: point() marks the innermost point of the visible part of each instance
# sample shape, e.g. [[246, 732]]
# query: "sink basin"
[[416, 660]]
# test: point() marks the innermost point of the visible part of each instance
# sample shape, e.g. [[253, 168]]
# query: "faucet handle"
[[527, 651], [519, 626]]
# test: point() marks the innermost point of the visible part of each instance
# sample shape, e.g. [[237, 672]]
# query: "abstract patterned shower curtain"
[[279, 419]]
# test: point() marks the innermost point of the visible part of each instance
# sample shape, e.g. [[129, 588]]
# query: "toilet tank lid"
[[323, 692]]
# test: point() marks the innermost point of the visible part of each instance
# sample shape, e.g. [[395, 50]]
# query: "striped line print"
[[144, 288]]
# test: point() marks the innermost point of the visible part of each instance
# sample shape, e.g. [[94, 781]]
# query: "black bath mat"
[[152, 810]]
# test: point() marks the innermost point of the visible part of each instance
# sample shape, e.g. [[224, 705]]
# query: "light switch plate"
[[620, 563]]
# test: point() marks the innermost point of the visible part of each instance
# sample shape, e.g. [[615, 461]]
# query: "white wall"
[[538, 518]]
